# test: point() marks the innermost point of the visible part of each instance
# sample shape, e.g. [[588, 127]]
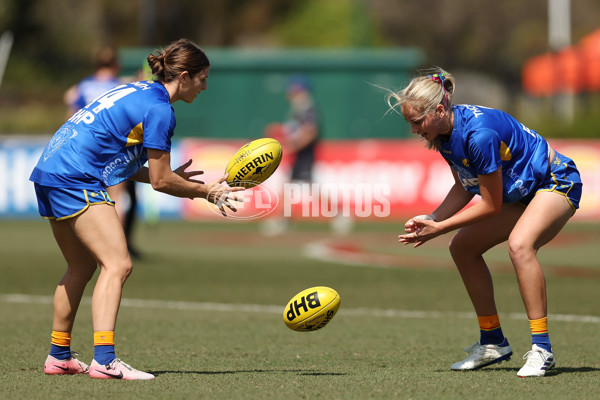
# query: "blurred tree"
[[485, 36], [55, 39], [491, 36], [341, 23]]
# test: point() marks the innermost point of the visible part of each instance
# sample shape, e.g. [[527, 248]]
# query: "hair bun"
[[181, 55]]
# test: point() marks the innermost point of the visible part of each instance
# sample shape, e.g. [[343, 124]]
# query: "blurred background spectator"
[[105, 77], [299, 134]]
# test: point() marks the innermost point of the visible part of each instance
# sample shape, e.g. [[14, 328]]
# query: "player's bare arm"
[[163, 179], [456, 199], [490, 204], [143, 174]]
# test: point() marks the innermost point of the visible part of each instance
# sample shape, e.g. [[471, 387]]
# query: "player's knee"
[[519, 249], [81, 272], [120, 269], [126, 270], [459, 247], [89, 272]]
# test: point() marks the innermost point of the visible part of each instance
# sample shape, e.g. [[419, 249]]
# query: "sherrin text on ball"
[[254, 163]]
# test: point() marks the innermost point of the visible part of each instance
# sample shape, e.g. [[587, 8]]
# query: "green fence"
[[246, 90]]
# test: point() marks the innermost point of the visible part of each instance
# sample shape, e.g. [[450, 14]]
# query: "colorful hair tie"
[[438, 77], [441, 78]]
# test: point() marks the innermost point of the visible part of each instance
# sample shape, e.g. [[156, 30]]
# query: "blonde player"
[[527, 190]]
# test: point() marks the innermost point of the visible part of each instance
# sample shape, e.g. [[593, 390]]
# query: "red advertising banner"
[[363, 179]]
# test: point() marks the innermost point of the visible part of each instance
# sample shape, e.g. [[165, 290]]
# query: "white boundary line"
[[270, 309]]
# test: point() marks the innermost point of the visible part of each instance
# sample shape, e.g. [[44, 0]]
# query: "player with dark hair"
[[528, 193], [104, 143]]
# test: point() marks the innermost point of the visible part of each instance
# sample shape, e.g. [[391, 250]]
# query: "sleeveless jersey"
[[105, 142], [484, 139]]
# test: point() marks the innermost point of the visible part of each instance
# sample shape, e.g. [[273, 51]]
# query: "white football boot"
[[538, 362], [483, 355], [117, 369]]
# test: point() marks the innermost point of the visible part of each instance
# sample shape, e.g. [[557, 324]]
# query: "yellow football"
[[311, 309], [254, 162]]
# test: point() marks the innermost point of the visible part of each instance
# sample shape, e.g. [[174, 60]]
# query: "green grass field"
[[202, 311]]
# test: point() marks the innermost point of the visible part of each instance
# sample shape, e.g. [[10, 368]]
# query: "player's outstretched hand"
[[221, 195], [419, 230], [181, 171]]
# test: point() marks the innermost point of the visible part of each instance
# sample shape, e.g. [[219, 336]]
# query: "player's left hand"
[[419, 231], [189, 174]]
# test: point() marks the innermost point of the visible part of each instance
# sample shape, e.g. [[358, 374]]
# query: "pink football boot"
[[72, 366]]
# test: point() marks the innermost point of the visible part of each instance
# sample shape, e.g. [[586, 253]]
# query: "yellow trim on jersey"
[[136, 135], [505, 154]]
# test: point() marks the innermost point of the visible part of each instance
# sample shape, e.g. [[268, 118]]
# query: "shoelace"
[[118, 360], [74, 356], [471, 347], [475, 349], [533, 361]]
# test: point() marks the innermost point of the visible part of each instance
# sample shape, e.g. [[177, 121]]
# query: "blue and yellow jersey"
[[484, 139], [105, 142]]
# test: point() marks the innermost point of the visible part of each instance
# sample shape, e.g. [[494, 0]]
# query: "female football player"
[[527, 190], [104, 143]]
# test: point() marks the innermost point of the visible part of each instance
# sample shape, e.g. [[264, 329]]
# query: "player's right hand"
[[411, 226], [221, 195]]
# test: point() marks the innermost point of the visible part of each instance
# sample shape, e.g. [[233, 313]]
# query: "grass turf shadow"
[[251, 371], [553, 372]]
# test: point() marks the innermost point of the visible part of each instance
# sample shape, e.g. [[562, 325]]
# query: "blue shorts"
[[60, 203], [563, 178]]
